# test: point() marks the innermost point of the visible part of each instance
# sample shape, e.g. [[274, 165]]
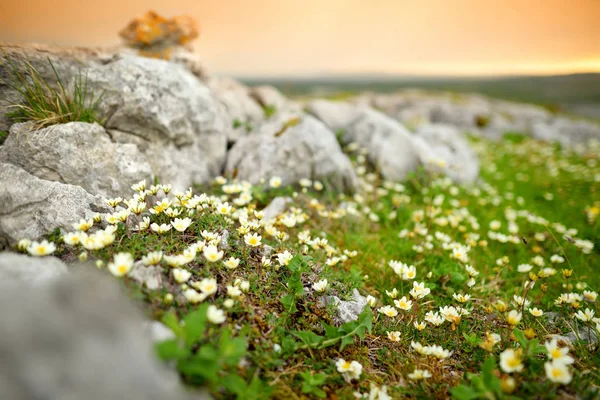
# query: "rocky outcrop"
[[19, 269], [390, 146], [269, 97], [443, 149], [79, 154], [31, 207], [240, 110], [78, 338], [335, 114], [292, 147], [171, 115]]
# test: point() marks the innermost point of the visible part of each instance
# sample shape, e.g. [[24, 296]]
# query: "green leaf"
[[521, 338], [330, 331], [289, 303], [309, 338], [171, 321], [170, 350], [195, 325], [462, 392], [234, 383], [346, 340], [198, 366], [231, 350], [490, 380]]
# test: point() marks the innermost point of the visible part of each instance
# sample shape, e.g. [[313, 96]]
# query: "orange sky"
[[295, 37]]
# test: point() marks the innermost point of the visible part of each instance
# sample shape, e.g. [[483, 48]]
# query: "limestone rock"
[[20, 269], [79, 154], [268, 96], [335, 114], [446, 143], [276, 207], [170, 114], [390, 145], [148, 276], [31, 207], [241, 111], [78, 338], [292, 147], [349, 310]]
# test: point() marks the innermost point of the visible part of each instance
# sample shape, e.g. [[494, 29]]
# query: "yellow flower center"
[[122, 269], [556, 353], [514, 362], [557, 373]]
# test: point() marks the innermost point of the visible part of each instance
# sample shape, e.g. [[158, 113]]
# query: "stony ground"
[[477, 291]]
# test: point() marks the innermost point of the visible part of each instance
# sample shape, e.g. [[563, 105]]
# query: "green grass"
[[3, 136], [281, 339], [44, 103]]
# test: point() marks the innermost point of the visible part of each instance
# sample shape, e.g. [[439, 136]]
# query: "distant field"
[[577, 93]]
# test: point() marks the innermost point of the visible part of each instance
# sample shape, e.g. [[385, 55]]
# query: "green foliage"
[[208, 356], [484, 386], [311, 383], [269, 110], [46, 104], [237, 124], [344, 335], [3, 136]]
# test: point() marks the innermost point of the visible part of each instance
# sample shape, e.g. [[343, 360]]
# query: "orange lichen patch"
[[152, 30]]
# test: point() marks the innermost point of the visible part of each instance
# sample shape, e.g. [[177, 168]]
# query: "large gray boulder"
[[78, 338], [293, 147], [335, 114], [443, 149], [31, 207], [170, 114], [391, 148], [79, 154], [268, 96], [20, 269], [241, 111], [566, 131]]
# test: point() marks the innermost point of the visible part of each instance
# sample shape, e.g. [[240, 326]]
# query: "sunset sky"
[[307, 37]]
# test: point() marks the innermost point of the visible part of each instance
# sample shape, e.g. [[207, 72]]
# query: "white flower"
[[224, 209], [321, 285], [73, 238], [514, 317], [152, 258], [394, 336], [181, 225], [232, 262], [215, 315], [233, 291], [121, 265], [207, 286], [212, 253], [558, 354], [275, 182], [524, 268], [536, 312], [419, 374], [371, 301], [181, 275], [349, 370], [558, 372], [586, 315], [83, 225], [510, 361], [388, 310], [163, 228], [194, 297], [403, 303], [40, 249], [252, 239], [284, 258]]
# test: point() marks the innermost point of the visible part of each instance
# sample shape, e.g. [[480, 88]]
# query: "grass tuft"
[[45, 104]]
